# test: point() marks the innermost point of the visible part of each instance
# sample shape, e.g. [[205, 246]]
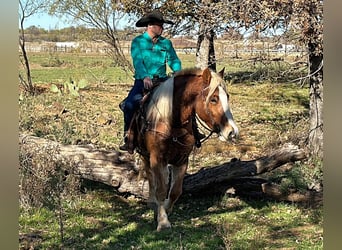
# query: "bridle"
[[202, 123]]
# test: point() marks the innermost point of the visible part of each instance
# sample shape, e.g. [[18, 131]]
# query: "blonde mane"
[[160, 107]]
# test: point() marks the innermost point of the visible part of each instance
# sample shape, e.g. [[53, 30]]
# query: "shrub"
[[43, 179]]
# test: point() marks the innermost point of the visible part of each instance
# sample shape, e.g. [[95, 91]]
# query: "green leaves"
[[70, 87], [82, 84], [55, 89]]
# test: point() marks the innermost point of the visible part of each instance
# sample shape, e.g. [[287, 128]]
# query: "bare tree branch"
[[101, 15], [27, 8]]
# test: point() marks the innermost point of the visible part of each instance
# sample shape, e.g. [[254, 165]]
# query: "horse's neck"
[[186, 95]]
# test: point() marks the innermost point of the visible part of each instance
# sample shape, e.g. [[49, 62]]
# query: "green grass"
[[60, 67], [268, 114], [102, 220], [266, 225]]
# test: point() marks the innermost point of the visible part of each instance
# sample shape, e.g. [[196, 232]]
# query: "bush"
[[44, 181]]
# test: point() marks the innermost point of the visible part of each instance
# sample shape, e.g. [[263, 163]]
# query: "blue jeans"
[[132, 102]]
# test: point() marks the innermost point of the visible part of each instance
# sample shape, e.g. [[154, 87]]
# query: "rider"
[[150, 53]]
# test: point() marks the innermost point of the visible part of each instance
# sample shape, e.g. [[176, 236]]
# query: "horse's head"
[[213, 107]]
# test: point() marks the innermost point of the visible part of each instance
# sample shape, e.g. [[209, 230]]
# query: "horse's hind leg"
[[176, 186]]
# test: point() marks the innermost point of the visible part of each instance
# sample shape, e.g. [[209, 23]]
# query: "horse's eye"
[[214, 100]]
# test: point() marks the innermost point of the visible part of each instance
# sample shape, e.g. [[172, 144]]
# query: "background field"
[[268, 113]]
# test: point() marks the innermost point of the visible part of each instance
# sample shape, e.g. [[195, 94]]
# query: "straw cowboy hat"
[[153, 17]]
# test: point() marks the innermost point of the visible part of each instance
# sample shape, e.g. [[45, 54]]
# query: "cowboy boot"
[[128, 142], [124, 147]]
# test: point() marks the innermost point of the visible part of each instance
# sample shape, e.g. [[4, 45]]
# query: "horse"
[[164, 132]]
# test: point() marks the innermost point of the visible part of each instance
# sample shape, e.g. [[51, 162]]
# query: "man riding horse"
[[150, 53]]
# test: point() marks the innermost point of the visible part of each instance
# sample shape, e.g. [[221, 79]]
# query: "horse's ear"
[[221, 73], [206, 75]]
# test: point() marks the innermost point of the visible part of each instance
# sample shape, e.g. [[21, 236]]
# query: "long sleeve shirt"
[[150, 58]]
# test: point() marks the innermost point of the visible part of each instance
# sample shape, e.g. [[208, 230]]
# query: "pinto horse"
[[164, 135]]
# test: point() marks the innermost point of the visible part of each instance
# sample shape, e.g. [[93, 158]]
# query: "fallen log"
[[262, 188], [120, 170], [208, 178]]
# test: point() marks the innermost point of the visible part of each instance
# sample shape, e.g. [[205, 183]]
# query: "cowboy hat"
[[153, 17]]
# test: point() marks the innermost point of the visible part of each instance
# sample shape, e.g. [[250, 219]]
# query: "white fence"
[[234, 50]]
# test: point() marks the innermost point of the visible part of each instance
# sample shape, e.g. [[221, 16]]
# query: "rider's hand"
[[147, 83]]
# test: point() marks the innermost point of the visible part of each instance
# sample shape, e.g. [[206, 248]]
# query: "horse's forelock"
[[215, 82]]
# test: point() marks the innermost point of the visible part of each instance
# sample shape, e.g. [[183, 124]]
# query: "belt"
[[156, 79]]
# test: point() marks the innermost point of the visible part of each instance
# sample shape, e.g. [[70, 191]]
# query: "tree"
[[204, 18], [102, 15], [313, 36], [27, 8], [305, 18]]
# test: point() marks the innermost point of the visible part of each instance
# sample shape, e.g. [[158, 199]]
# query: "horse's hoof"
[[163, 225]]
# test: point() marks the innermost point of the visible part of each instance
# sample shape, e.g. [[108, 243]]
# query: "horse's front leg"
[[150, 177], [160, 184]]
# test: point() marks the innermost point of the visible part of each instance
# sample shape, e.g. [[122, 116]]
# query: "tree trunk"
[[316, 102], [315, 49], [26, 82], [216, 178], [205, 51], [260, 188], [120, 171]]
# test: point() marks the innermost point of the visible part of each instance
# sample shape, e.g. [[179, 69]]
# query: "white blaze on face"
[[225, 131]]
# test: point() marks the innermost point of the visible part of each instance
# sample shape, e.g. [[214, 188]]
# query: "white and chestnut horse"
[[164, 135]]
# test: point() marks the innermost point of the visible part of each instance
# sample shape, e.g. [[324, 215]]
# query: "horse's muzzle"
[[229, 133]]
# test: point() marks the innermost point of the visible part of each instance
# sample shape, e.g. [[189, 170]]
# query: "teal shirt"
[[151, 59]]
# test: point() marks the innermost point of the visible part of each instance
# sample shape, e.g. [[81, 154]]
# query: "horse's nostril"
[[231, 134]]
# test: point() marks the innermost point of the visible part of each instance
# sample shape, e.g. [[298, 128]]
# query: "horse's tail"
[[160, 105]]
